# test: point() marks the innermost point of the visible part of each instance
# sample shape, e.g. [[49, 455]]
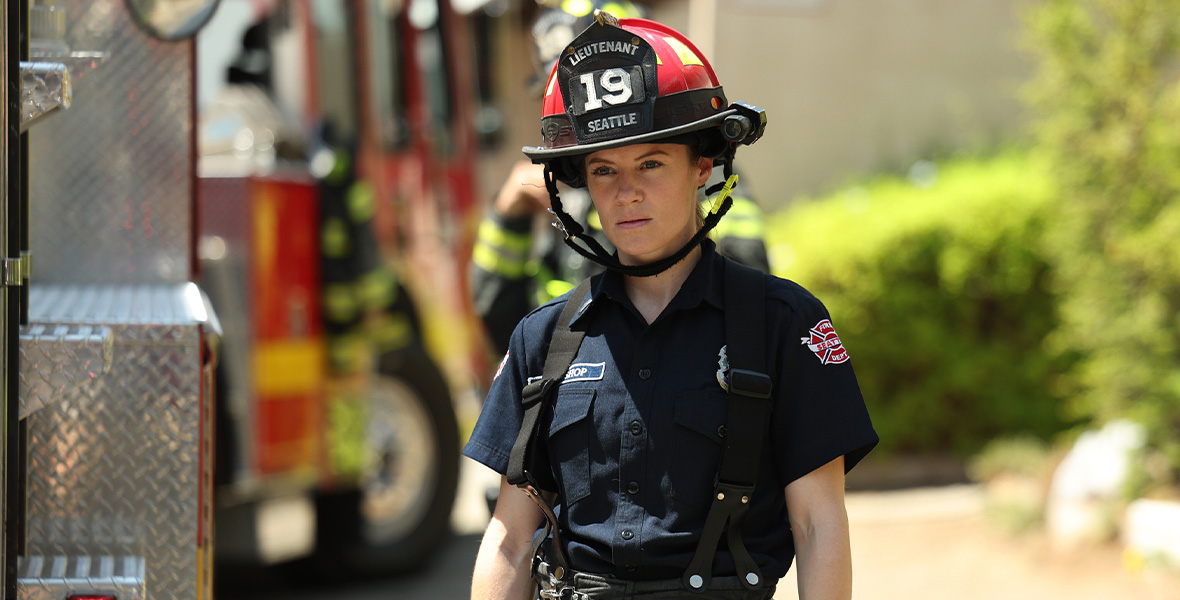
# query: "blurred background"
[[984, 194]]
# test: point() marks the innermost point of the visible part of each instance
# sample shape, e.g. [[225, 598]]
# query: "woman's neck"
[[651, 295]]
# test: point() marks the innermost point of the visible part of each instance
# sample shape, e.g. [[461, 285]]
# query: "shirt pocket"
[[699, 434], [570, 432]]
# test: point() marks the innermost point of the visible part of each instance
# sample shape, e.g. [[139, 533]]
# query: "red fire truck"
[[169, 269], [336, 184]]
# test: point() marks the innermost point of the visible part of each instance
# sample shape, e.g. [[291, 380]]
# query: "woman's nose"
[[629, 189]]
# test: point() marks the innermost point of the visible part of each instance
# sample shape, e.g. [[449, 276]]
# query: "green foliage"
[[1108, 96], [941, 295]]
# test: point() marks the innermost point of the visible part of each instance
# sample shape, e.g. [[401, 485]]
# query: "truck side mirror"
[[172, 20]]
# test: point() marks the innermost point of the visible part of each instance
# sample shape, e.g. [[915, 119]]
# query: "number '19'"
[[616, 81]]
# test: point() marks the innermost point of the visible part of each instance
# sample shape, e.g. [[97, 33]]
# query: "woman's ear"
[[706, 170]]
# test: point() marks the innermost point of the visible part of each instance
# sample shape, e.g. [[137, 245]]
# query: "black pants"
[[587, 586]]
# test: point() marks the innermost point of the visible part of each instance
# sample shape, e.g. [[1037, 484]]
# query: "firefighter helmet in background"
[[561, 22], [634, 81]]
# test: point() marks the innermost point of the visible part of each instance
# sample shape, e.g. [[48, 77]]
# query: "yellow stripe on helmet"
[[687, 56]]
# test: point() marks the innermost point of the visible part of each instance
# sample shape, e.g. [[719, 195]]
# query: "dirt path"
[[934, 543]]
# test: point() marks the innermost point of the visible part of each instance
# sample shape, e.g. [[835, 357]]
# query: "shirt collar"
[[702, 283], [697, 287]]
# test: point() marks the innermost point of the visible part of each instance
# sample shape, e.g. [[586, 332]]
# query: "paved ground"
[[929, 543], [916, 544], [935, 543]]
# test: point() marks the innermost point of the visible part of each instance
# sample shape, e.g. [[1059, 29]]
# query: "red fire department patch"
[[824, 342]]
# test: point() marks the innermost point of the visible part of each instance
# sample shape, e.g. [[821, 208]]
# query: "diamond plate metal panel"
[[57, 359], [119, 466], [111, 183]]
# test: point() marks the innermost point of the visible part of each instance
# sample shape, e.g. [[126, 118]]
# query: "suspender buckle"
[[535, 392], [750, 384]]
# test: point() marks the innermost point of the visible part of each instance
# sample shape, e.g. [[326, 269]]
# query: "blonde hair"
[[695, 155]]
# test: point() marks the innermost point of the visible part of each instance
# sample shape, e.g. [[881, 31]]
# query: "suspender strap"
[[528, 467], [746, 424], [522, 463]]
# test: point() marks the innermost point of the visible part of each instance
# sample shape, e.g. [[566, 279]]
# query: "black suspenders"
[[749, 409], [528, 467], [746, 425]]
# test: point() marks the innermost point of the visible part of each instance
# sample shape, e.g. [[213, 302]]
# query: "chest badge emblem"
[[826, 345], [723, 369]]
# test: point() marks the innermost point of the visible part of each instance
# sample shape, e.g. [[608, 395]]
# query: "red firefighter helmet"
[[631, 81], [634, 81]]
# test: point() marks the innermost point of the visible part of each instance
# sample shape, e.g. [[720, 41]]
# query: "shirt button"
[[721, 431], [645, 373], [627, 534], [636, 428], [633, 488], [630, 568]]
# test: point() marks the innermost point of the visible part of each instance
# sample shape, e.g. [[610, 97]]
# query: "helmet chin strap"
[[593, 251]]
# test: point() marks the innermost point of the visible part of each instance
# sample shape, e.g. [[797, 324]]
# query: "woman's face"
[[646, 196]]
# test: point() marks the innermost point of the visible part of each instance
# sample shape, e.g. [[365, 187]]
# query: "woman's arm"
[[503, 563], [819, 526]]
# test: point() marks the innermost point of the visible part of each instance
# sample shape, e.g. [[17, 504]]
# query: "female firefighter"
[[512, 269], [680, 425]]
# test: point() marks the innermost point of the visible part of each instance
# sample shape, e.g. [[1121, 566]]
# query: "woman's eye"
[[600, 171], [651, 164]]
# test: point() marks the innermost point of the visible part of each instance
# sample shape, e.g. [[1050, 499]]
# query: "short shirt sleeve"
[[820, 413], [499, 421]]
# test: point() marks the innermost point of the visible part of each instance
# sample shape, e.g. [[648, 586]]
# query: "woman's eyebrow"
[[653, 153], [644, 156]]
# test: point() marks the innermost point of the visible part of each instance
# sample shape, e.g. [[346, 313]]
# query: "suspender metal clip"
[[750, 383]]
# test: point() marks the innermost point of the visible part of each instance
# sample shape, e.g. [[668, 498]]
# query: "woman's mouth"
[[633, 223]]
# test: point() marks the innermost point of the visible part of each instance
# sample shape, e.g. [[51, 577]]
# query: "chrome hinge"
[[15, 270]]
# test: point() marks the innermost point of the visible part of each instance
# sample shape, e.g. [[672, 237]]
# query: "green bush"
[[941, 295], [1108, 102]]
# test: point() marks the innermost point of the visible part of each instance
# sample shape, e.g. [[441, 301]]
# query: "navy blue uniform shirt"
[[635, 432]]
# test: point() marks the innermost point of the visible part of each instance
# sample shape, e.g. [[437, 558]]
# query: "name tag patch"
[[585, 372]]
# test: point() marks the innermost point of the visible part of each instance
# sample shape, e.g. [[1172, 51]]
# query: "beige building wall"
[[851, 87]]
